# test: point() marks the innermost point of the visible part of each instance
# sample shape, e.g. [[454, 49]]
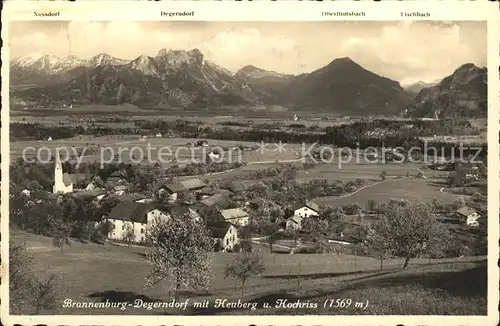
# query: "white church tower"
[[62, 181]]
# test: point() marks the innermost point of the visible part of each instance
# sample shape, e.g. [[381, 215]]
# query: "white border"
[[267, 11]]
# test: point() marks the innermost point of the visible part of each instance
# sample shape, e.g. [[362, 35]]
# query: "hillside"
[[443, 287], [346, 87], [462, 94], [267, 82]]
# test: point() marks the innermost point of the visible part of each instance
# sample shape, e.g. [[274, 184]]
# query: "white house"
[[309, 209], [135, 218], [62, 181], [236, 216], [470, 215], [224, 234]]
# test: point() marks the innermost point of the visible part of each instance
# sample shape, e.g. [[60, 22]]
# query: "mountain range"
[[178, 78]]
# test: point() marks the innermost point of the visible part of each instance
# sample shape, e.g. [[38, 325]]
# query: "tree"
[[383, 175], [129, 234], [60, 232], [377, 243], [315, 229], [182, 252], [371, 206], [270, 231], [407, 229], [439, 242], [243, 267], [25, 288]]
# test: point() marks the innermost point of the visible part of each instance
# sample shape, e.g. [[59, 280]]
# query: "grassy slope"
[[93, 273]]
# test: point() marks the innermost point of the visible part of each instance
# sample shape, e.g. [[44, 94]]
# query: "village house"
[[171, 191], [183, 211], [135, 218], [307, 210], [134, 197], [294, 223], [97, 194], [192, 184], [236, 216], [209, 191], [217, 201], [224, 234], [469, 215]]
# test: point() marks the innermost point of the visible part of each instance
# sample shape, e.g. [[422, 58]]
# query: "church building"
[[63, 183]]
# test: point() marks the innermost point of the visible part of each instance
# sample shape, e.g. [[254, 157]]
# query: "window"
[[227, 242], [123, 226], [142, 230]]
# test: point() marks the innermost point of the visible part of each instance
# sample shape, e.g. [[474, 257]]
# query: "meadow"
[[91, 272], [421, 190]]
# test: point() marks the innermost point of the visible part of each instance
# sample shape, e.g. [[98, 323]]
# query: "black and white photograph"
[[248, 168]]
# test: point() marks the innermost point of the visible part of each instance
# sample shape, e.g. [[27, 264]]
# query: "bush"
[[306, 250]]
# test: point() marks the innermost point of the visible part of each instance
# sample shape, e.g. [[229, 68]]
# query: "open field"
[[352, 170], [158, 149], [90, 272], [406, 188]]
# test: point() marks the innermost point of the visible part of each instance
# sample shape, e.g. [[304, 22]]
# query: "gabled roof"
[[219, 199], [120, 187], [233, 213], [173, 187], [130, 197], [131, 211], [90, 193], [212, 191], [310, 205], [218, 229], [236, 187], [192, 184], [465, 211], [295, 219]]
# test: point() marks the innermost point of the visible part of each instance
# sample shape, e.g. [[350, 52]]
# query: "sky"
[[403, 51]]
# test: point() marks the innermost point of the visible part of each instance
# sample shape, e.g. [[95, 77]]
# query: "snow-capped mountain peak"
[[145, 64], [102, 59]]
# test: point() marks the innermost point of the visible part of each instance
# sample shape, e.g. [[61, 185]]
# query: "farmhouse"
[[183, 211], [309, 209], [135, 218], [236, 216], [97, 194], [217, 201], [171, 191], [134, 197], [225, 235], [208, 191], [192, 184], [470, 216], [294, 223]]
